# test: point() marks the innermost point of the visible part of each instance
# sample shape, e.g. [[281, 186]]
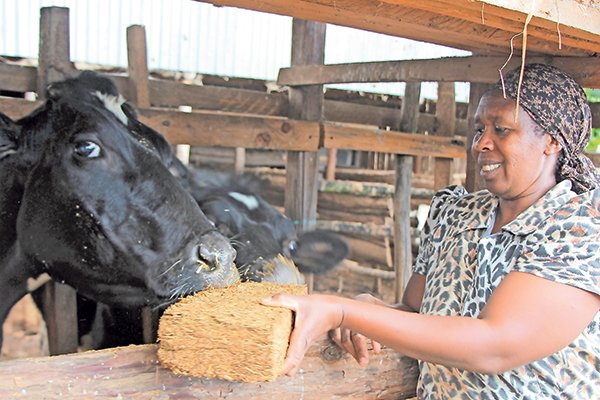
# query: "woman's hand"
[[315, 316], [354, 343]]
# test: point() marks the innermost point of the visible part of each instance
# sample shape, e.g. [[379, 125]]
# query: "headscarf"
[[559, 106]]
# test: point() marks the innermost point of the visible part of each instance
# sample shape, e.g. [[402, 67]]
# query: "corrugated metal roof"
[[185, 35]]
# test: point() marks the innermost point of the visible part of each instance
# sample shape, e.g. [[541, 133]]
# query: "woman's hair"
[[559, 106]]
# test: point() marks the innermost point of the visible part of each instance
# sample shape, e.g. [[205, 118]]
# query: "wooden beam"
[[440, 25], [582, 15], [173, 94], [17, 78], [544, 26], [478, 69], [358, 137], [134, 372], [233, 130]]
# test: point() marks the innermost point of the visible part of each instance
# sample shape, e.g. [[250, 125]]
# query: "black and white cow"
[[87, 197], [99, 212], [266, 242]]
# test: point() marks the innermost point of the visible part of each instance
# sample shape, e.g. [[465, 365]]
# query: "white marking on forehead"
[[113, 104], [251, 202]]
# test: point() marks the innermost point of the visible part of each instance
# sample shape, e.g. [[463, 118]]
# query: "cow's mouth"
[[279, 269], [208, 264]]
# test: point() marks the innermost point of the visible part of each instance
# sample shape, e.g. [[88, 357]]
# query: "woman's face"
[[515, 158]]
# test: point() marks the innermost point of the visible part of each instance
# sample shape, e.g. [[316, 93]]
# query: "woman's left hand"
[[315, 316], [356, 344]]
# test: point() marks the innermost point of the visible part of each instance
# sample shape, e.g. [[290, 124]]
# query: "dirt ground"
[[25, 331]]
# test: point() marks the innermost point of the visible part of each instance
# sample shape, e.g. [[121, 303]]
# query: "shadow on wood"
[[134, 372]]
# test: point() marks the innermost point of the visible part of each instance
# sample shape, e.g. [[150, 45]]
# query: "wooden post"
[[473, 180], [404, 167], [445, 114], [60, 301], [137, 66], [137, 69], [239, 160], [331, 164], [306, 103]]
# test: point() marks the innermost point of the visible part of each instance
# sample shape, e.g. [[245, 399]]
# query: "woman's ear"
[[552, 146]]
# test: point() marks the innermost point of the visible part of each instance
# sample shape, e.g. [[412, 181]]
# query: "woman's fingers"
[[361, 351]]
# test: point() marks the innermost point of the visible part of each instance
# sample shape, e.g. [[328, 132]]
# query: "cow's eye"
[[87, 149], [292, 246]]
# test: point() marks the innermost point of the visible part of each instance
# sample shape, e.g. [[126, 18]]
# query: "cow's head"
[[267, 246], [101, 211]]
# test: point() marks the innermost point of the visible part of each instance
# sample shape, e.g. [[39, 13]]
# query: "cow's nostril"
[[210, 258]]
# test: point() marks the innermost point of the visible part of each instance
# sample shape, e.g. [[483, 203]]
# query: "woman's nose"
[[482, 142]]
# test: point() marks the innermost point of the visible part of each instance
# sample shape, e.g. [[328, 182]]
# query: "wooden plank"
[[17, 108], [60, 303], [134, 372], [360, 137], [478, 69], [543, 25], [397, 18], [18, 78], [233, 130], [173, 94], [583, 15]]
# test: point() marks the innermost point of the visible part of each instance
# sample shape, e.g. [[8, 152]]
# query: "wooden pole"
[[137, 69], [404, 166], [60, 301], [306, 103], [137, 66], [445, 114]]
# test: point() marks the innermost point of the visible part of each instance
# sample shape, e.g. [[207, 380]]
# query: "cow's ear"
[[129, 110], [53, 91], [9, 130], [319, 251]]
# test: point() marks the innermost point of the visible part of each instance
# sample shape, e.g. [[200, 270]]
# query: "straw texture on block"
[[226, 333]]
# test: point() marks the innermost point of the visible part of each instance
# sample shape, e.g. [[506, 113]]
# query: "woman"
[[504, 298]]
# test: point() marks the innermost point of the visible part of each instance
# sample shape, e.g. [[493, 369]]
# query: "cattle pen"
[[310, 126]]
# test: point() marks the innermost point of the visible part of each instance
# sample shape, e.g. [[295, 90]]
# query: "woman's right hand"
[[356, 344]]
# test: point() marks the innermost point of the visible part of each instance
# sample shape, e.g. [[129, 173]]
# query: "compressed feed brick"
[[226, 333]]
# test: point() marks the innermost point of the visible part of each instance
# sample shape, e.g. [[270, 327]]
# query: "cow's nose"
[[215, 250], [213, 262]]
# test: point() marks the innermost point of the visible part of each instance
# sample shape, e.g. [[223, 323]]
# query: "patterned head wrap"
[[559, 106]]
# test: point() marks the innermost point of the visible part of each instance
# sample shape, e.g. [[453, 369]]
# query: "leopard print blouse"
[[557, 238]]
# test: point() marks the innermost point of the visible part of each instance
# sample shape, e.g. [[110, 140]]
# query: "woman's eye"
[[479, 131], [87, 149], [500, 130]]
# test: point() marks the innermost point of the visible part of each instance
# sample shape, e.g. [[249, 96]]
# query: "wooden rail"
[[134, 372]]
